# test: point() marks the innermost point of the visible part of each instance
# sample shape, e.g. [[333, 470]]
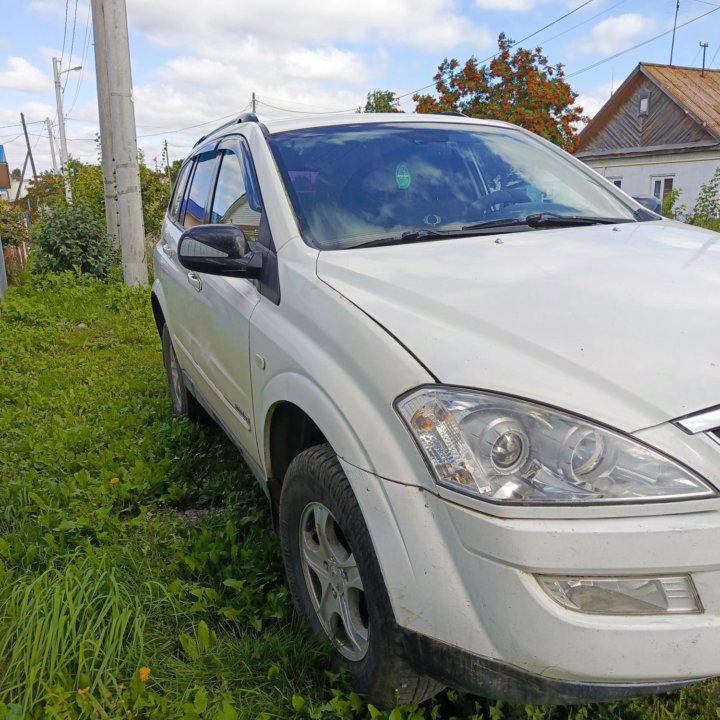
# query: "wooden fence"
[[12, 261]]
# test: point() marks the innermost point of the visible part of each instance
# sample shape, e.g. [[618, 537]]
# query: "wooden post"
[[29, 149], [3, 273]]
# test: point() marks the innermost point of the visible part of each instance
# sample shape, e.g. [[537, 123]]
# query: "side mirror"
[[649, 202], [218, 250]]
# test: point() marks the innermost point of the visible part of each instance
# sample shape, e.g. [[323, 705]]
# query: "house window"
[[661, 187], [644, 105], [617, 182]]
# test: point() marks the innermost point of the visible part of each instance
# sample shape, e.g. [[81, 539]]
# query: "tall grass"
[[77, 625]]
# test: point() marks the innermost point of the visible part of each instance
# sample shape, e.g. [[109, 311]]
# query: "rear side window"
[[193, 211], [179, 192]]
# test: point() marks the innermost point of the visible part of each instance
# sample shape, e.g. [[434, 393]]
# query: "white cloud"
[[303, 57], [592, 101], [23, 76], [191, 89], [615, 33], [46, 6], [510, 5], [324, 64], [408, 22]]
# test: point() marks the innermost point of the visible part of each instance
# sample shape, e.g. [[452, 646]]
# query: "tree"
[[46, 192], [174, 169], [86, 182], [155, 188], [382, 101], [13, 230], [521, 88]]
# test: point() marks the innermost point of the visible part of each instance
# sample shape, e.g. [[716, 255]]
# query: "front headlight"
[[511, 451]]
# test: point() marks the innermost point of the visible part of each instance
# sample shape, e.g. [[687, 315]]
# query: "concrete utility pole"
[[61, 126], [52, 144], [106, 141], [127, 172], [254, 102]]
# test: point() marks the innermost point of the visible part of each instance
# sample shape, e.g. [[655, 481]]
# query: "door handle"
[[195, 280]]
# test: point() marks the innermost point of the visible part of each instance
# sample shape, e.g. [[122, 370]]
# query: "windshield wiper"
[[411, 236], [549, 219], [546, 219], [536, 220], [490, 224]]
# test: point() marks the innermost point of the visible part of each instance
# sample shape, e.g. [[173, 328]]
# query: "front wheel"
[[335, 579]]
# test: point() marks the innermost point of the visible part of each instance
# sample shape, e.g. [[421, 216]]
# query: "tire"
[[336, 582], [184, 404]]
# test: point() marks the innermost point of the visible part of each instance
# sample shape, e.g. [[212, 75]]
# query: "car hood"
[[617, 323]]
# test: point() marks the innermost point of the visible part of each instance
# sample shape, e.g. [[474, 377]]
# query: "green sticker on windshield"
[[402, 176]]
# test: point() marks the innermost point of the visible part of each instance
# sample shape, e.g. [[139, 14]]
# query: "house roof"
[[695, 92]]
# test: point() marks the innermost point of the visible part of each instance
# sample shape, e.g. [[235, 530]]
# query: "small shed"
[[658, 132]]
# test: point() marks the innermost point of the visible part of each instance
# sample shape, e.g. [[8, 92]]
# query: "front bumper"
[[494, 679], [464, 582]]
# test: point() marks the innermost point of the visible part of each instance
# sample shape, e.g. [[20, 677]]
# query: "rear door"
[[188, 208]]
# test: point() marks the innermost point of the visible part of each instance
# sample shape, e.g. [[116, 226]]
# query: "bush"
[[671, 208], [706, 212], [13, 230], [73, 237]]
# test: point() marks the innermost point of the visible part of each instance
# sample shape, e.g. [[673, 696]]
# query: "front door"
[[224, 306]]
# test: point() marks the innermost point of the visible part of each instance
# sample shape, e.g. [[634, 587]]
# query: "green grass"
[[132, 540]]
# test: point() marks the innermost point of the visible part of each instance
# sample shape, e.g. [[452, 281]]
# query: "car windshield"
[[368, 184]]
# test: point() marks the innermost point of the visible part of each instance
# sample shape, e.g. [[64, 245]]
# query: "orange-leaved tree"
[[520, 87]]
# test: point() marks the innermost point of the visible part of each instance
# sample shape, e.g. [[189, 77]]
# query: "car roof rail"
[[456, 113], [242, 118]]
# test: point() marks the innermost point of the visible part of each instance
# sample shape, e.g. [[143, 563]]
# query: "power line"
[[639, 45], [62, 52], [494, 55], [295, 102], [72, 38], [72, 47], [714, 56], [584, 22], [27, 122], [86, 47], [306, 112], [192, 127], [554, 22]]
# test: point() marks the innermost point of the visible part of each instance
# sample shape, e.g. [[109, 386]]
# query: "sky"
[[195, 64]]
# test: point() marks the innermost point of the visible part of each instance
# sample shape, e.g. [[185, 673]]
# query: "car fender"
[[319, 406]]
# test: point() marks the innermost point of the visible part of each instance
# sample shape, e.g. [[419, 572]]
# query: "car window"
[[179, 191], [232, 202], [350, 185], [193, 211]]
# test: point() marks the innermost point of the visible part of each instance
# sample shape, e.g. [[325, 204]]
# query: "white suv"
[[480, 388]]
